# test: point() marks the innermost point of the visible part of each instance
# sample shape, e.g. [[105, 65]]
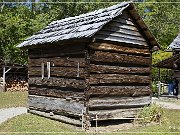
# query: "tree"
[[162, 18], [21, 20], [17, 23]]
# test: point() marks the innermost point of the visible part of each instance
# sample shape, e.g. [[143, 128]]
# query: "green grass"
[[27, 123], [171, 125], [33, 123], [13, 99]]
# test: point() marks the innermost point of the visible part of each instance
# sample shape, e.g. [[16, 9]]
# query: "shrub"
[[150, 114], [154, 87]]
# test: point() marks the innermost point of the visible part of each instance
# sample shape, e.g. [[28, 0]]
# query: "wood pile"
[[16, 83]]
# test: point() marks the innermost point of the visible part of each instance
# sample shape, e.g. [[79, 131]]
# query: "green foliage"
[[163, 21], [164, 73], [19, 21], [162, 18], [160, 55], [154, 87], [152, 113]]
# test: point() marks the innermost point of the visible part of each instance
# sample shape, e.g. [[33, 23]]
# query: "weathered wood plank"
[[120, 49], [99, 56], [125, 26], [104, 91], [61, 82], [68, 94], [50, 55], [118, 78], [122, 30], [120, 40], [114, 114], [119, 70], [176, 73], [55, 105], [122, 35], [59, 50], [60, 72], [125, 15], [123, 20], [58, 61], [119, 102], [57, 117], [134, 15]]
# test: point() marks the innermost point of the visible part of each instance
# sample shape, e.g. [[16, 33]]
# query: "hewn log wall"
[[120, 67], [55, 105], [114, 113], [117, 76], [63, 92]]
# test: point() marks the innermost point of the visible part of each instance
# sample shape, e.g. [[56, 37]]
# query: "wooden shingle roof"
[[85, 26], [175, 45]]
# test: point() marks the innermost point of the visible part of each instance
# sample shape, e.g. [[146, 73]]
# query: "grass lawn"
[[172, 126], [13, 99], [33, 123]]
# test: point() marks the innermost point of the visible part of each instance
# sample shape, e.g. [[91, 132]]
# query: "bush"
[[150, 114], [154, 87]]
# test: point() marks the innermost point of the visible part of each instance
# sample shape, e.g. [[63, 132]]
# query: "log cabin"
[[96, 64], [173, 62]]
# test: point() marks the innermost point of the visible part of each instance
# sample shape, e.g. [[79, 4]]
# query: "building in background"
[[173, 62]]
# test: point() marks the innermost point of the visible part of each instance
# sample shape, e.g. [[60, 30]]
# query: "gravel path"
[[8, 113], [167, 105]]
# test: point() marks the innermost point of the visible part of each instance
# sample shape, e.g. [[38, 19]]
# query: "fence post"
[[159, 89]]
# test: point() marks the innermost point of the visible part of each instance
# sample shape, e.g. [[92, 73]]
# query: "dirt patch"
[[113, 126]]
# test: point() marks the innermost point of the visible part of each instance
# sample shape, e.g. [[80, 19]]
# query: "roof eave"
[[60, 42], [149, 36]]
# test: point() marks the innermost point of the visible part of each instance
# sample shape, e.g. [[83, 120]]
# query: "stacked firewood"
[[16, 83]]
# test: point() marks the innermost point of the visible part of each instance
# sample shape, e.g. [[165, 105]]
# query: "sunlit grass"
[[32, 123], [13, 99], [171, 125], [28, 123]]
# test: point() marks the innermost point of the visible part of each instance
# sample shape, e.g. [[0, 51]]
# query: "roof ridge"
[[64, 29], [90, 13], [84, 26]]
